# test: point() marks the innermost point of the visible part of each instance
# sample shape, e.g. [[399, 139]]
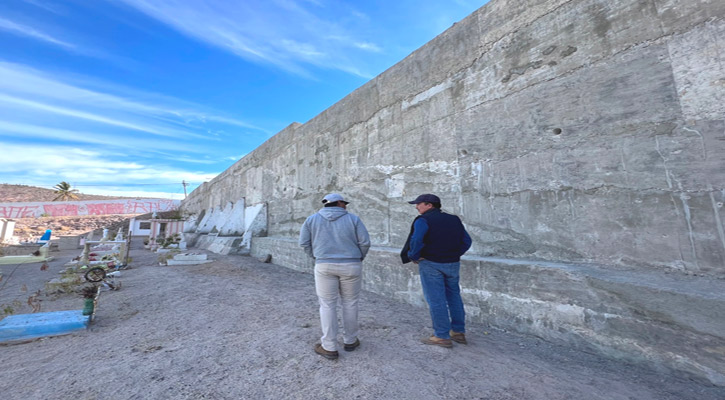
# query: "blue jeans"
[[443, 294]]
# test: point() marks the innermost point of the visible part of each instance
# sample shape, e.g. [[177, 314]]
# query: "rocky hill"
[[22, 193], [30, 229]]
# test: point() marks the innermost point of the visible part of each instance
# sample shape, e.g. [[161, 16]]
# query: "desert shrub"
[[9, 309], [175, 214], [89, 292], [68, 283], [163, 257]]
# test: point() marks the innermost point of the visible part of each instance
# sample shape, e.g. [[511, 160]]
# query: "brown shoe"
[[352, 346], [435, 340], [330, 355], [459, 337]]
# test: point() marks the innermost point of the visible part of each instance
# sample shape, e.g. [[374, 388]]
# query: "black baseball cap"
[[425, 198]]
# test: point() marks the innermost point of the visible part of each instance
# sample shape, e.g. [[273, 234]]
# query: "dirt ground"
[[241, 329]]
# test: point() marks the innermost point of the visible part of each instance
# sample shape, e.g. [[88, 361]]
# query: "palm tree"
[[64, 192]]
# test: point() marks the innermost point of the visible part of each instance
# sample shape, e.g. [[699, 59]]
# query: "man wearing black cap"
[[338, 242], [436, 243]]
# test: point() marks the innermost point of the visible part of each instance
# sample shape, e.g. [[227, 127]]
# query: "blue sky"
[[132, 97]]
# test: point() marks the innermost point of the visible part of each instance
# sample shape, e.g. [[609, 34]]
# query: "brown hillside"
[[22, 193], [30, 229]]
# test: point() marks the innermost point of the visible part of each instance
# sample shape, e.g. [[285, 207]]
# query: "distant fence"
[[89, 207]]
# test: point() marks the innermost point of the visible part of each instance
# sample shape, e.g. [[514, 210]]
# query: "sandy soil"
[[241, 329]]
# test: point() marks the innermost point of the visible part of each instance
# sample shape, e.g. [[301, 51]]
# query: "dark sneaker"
[[352, 346], [435, 340], [330, 355], [459, 337]]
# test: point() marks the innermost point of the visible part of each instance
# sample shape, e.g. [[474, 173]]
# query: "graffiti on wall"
[[75, 208]]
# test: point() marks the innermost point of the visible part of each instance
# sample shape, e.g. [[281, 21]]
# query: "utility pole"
[[183, 183]]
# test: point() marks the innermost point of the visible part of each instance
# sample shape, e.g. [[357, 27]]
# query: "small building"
[[139, 227], [155, 228]]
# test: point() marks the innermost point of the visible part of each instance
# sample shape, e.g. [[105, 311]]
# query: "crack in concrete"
[[664, 162], [595, 189], [718, 221], [702, 140]]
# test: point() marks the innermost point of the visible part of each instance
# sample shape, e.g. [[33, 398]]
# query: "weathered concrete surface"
[[670, 322], [21, 249], [227, 230], [572, 132], [69, 242]]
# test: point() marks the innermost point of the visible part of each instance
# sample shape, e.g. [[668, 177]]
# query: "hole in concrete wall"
[[463, 152], [556, 131], [549, 50]]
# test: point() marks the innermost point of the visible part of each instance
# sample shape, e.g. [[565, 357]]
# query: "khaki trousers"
[[335, 281]]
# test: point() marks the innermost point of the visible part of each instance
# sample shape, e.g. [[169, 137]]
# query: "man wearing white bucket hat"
[[338, 241]]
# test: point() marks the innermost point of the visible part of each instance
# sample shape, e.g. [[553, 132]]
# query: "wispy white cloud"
[[30, 131], [39, 34], [30, 82], [23, 30], [55, 127], [42, 165], [368, 46], [196, 160], [22, 103], [279, 32], [466, 3], [360, 15], [62, 160], [315, 2], [54, 8], [31, 90]]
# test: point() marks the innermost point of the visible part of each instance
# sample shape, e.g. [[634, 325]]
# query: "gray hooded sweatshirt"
[[333, 235]]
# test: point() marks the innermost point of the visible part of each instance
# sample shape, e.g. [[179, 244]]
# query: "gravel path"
[[241, 329]]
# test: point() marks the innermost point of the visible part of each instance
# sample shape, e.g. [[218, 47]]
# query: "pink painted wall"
[[89, 207]]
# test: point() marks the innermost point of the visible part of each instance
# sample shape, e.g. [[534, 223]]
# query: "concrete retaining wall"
[[571, 132], [670, 323]]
